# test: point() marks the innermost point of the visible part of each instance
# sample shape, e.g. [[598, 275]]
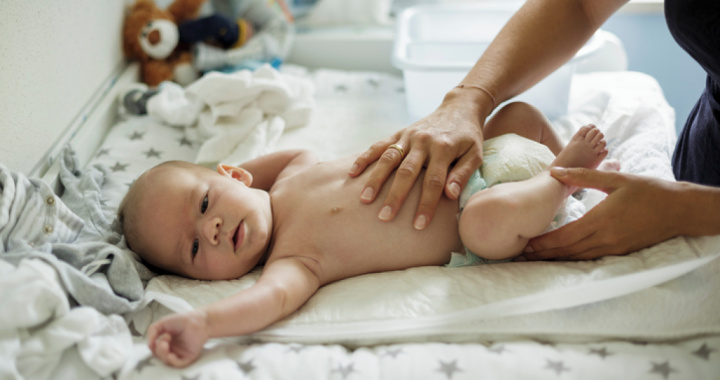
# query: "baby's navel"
[[335, 210]]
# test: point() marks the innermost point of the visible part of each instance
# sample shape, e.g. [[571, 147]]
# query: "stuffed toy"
[[150, 35], [161, 39]]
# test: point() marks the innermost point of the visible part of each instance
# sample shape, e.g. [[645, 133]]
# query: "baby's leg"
[[498, 222], [524, 120]]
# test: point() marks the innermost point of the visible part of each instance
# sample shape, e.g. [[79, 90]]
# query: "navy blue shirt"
[[695, 25]]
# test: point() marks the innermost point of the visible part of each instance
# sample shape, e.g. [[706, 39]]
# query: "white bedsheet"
[[554, 300], [356, 109]]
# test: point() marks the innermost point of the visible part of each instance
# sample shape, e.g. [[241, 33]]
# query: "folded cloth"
[[76, 235], [236, 116]]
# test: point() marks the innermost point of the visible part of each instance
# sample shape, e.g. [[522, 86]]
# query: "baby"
[[303, 220]]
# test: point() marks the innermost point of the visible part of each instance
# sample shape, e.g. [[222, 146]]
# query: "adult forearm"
[[699, 208], [538, 39]]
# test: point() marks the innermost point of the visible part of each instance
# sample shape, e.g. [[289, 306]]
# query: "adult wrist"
[[478, 99], [699, 205]]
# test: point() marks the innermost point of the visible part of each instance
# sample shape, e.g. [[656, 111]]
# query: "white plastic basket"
[[436, 45]]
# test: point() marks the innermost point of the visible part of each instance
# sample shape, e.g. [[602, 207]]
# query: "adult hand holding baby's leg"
[[178, 339]]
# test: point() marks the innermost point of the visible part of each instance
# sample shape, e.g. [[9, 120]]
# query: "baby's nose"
[[211, 229]]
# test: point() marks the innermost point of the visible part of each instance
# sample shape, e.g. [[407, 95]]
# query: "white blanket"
[[38, 326], [235, 116], [615, 297]]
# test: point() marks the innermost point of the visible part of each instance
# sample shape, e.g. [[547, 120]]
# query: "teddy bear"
[[161, 39], [150, 35]]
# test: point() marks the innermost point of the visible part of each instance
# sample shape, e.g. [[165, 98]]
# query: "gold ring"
[[399, 148]]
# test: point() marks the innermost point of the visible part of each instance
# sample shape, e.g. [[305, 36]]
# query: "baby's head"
[[195, 222]]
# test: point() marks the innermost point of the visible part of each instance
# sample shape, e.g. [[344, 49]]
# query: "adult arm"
[[285, 285], [637, 213], [539, 38]]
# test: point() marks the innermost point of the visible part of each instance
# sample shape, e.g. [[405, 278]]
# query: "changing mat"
[[664, 292]]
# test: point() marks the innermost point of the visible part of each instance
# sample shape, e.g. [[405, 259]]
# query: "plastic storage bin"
[[436, 45]]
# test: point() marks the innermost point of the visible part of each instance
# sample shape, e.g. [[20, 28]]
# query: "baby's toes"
[[591, 135], [597, 138], [600, 147], [583, 131]]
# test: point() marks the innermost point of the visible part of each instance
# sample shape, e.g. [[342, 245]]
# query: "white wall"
[[54, 56]]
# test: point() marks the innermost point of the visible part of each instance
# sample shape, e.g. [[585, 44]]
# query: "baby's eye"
[[195, 247], [204, 205]]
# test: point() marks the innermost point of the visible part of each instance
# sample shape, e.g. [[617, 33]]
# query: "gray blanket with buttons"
[[74, 232]]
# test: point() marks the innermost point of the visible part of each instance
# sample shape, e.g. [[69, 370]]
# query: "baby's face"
[[203, 224]]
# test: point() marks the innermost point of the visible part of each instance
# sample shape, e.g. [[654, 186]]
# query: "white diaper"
[[511, 158]]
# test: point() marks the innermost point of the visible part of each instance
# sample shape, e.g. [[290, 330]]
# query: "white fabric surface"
[[356, 109], [420, 302], [237, 116], [38, 326]]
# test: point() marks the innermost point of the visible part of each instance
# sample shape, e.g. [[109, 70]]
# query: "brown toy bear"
[[150, 35]]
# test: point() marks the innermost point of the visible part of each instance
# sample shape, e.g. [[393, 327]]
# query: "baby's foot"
[[586, 149]]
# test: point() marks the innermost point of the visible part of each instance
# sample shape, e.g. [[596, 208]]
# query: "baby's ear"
[[235, 172]]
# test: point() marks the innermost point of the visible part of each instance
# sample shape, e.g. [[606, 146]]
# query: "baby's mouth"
[[239, 236]]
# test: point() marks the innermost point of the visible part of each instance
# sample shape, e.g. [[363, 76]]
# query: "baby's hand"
[[178, 339]]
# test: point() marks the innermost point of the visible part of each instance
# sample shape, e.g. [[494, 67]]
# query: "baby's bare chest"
[[320, 216]]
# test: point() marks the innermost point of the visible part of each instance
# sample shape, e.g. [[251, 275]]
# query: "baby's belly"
[[349, 239]]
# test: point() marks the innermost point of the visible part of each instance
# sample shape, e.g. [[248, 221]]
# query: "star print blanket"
[[610, 297], [429, 323]]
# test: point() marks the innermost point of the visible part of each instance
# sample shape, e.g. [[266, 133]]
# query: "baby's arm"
[[284, 286], [268, 169]]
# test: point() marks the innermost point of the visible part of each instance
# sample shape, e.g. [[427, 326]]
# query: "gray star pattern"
[[449, 368], [118, 167], [498, 349], [393, 352], [152, 153], [601, 352], [341, 88], [704, 351], [345, 371], [137, 135], [662, 368], [296, 348], [184, 141], [103, 152], [373, 82], [556, 366], [246, 367]]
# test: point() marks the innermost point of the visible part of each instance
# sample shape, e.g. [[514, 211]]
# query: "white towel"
[[237, 116]]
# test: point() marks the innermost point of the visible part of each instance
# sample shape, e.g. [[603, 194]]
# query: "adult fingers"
[[432, 189], [405, 177], [369, 156], [462, 171], [574, 251], [582, 177], [564, 241], [438, 180], [386, 163]]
